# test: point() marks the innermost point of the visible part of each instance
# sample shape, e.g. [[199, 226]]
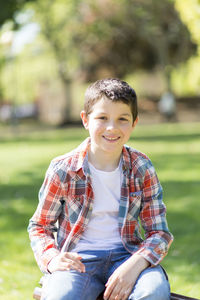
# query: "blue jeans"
[[152, 283]]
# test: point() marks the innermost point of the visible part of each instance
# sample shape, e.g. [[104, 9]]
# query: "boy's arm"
[[157, 239], [42, 224], [153, 219]]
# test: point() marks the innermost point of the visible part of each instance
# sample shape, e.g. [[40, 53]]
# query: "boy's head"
[[113, 89]]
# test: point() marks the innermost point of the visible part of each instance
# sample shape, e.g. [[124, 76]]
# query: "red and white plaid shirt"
[[66, 197]]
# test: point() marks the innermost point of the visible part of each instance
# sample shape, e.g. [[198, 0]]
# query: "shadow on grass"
[[183, 260], [78, 134], [182, 163], [20, 199], [17, 206]]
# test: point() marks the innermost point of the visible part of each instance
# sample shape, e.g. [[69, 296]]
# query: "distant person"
[[96, 194], [167, 106]]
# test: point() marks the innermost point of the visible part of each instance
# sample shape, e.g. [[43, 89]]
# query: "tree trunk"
[[67, 87], [67, 84]]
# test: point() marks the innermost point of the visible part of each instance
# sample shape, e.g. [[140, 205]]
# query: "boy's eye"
[[123, 119], [102, 118]]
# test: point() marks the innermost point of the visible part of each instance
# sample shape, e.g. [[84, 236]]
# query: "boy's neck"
[[104, 162]]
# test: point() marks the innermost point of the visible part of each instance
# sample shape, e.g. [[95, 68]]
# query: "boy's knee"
[[153, 285], [55, 287], [56, 295], [63, 285], [56, 292], [159, 294]]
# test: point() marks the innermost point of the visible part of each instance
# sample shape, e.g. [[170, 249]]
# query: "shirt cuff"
[[47, 257], [152, 257]]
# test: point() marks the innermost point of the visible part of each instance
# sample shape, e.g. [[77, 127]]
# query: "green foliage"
[[26, 72], [190, 13], [186, 78], [86, 40], [59, 21], [127, 36], [9, 9], [174, 150], [137, 35]]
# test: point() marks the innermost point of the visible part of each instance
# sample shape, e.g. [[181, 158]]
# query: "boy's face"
[[110, 125]]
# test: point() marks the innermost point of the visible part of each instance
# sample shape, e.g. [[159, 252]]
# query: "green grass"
[[24, 158]]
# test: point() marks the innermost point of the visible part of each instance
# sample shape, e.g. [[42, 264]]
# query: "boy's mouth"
[[111, 139]]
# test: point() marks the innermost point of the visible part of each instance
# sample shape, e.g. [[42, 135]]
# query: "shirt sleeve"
[[42, 224], [153, 219]]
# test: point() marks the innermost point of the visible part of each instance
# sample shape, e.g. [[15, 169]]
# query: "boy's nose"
[[111, 125]]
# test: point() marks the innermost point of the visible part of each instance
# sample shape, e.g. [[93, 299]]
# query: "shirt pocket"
[[134, 205], [74, 207]]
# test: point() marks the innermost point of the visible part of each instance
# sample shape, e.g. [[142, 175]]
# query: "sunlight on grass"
[[174, 150]]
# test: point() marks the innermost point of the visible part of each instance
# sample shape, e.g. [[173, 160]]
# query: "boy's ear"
[[84, 119], [135, 122]]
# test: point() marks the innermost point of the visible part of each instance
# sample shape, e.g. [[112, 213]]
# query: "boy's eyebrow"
[[104, 113], [126, 114]]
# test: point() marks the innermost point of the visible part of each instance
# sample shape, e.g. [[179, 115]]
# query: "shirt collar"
[[126, 160], [79, 161]]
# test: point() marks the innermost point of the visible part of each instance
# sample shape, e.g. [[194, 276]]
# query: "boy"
[[96, 193]]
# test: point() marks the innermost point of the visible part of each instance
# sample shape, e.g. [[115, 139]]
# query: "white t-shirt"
[[102, 231]]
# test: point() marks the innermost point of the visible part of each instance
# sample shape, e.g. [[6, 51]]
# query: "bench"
[[38, 291]]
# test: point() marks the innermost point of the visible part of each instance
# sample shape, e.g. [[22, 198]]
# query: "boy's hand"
[[66, 261], [121, 282]]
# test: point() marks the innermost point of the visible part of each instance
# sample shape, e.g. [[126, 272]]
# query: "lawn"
[[24, 158]]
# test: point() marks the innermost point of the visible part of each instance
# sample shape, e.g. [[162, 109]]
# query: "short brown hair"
[[114, 89]]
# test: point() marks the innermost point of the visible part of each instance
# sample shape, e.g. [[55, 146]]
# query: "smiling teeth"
[[111, 139]]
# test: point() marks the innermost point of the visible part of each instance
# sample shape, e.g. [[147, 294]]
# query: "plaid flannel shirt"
[[66, 197]]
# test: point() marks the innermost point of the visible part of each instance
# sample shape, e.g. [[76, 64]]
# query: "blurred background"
[[50, 50]]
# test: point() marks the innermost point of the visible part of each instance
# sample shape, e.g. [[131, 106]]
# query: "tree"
[[186, 78], [120, 36], [138, 35], [59, 21], [9, 10], [8, 13]]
